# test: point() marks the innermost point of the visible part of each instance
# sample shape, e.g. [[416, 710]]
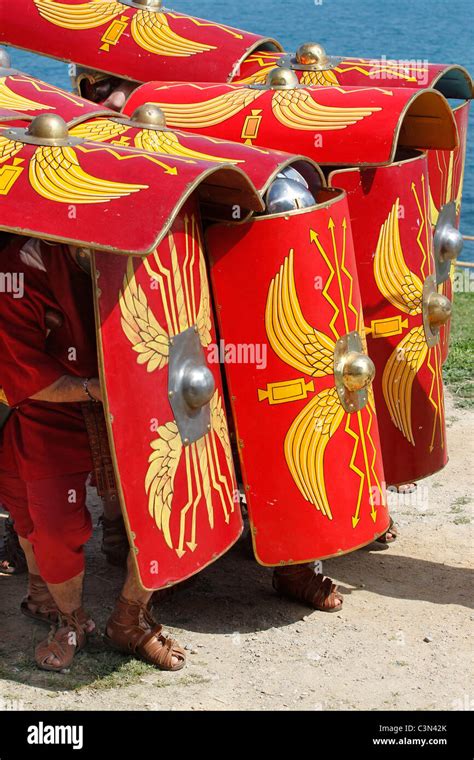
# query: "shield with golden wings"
[[331, 125], [403, 312], [446, 171], [313, 65], [136, 40], [289, 312], [165, 405]]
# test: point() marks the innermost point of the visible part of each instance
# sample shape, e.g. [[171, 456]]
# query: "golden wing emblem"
[[305, 446], [203, 321], [291, 337], [81, 16], [8, 148], [56, 174], [395, 281], [399, 375], [99, 130], [159, 482], [319, 78], [210, 112], [219, 426], [14, 102], [297, 109], [149, 340], [168, 143], [152, 32]]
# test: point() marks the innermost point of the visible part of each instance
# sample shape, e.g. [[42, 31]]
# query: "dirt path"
[[402, 641]]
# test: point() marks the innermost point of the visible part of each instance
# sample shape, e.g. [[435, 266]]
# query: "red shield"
[[452, 81], [91, 194], [446, 170], [334, 126], [312, 471], [395, 261], [259, 164], [24, 93], [180, 501], [136, 43]]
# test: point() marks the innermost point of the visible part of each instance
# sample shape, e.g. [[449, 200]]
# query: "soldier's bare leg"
[[30, 556]]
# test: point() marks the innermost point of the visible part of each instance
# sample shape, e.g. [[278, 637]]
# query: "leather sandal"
[[391, 529], [64, 641], [132, 630], [300, 582], [38, 604]]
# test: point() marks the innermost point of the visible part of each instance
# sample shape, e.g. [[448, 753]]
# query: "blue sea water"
[[432, 30]]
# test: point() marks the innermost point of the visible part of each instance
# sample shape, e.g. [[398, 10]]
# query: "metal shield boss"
[[403, 311], [289, 311], [165, 405]]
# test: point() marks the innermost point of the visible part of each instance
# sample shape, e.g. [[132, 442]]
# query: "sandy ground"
[[400, 643]]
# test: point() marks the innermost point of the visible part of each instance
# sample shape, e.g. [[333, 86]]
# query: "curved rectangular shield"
[[349, 126], [173, 460], [402, 312], [138, 41], [308, 446], [452, 81]]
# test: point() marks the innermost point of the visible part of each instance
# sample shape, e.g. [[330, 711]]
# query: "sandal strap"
[[308, 587]]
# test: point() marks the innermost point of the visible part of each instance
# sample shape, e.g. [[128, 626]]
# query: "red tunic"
[[47, 439]]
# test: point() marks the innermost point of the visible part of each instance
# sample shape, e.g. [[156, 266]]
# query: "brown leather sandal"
[[38, 604], [300, 582], [392, 528], [132, 630], [63, 641]]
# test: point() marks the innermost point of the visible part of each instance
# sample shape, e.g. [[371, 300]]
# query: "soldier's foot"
[[303, 584], [407, 488], [70, 635], [390, 536], [132, 630]]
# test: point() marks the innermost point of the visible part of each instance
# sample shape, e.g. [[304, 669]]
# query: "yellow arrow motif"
[[314, 237]]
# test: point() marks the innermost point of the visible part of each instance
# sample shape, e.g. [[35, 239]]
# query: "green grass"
[[98, 671], [459, 368]]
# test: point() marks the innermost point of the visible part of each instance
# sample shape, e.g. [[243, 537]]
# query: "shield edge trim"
[[252, 190], [238, 62]]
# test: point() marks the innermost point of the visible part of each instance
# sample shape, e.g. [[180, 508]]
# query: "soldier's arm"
[[68, 389]]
